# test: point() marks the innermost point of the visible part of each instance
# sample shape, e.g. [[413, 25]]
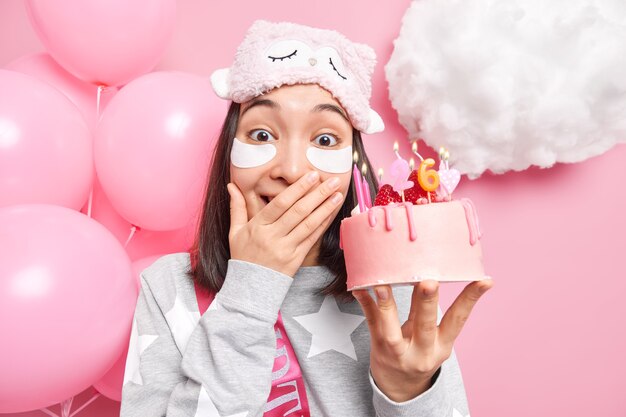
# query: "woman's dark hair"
[[210, 251]]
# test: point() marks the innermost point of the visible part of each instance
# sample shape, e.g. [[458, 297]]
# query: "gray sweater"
[[220, 363]]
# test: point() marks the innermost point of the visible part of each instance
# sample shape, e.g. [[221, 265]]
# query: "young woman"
[[281, 335]]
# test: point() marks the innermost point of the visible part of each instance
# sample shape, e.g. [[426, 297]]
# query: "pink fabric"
[[288, 395], [254, 71]]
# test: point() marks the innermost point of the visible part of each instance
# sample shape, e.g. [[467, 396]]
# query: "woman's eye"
[[325, 140], [261, 135]]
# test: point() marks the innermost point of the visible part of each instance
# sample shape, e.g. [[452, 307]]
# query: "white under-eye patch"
[[245, 155], [333, 161]]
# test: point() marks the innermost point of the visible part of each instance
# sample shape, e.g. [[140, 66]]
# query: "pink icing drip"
[[472, 220], [409, 216], [480, 233], [388, 221], [340, 238], [371, 217]]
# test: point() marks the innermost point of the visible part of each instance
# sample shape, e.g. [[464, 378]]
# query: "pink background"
[[548, 339]]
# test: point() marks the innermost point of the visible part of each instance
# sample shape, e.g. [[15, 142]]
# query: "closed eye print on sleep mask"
[[245, 155]]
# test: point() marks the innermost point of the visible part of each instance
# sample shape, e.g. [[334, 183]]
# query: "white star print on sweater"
[[337, 336], [138, 344], [206, 407], [219, 364]]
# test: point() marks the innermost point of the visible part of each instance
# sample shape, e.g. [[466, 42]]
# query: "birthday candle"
[[442, 163], [358, 187], [400, 171], [414, 150], [366, 187], [428, 178], [367, 196], [395, 149]]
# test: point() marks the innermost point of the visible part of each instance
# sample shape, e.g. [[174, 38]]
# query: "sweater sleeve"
[[445, 398], [226, 365]]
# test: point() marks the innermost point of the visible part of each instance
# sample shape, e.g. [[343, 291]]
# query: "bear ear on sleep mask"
[[245, 155], [273, 54]]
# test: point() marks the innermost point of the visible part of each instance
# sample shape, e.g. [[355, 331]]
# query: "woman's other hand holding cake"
[[404, 359]]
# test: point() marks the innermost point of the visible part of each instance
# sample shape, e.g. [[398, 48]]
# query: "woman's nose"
[[291, 162]]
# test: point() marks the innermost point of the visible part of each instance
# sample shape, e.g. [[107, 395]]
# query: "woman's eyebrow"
[[261, 102], [330, 107]]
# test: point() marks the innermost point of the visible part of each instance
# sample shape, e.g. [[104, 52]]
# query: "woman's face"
[[284, 134]]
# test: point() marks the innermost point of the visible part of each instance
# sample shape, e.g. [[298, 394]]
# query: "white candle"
[[395, 149], [414, 150]]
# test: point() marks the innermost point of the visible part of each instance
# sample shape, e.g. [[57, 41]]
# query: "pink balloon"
[[45, 145], [110, 385], [67, 298], [84, 95], [104, 42], [143, 242], [153, 148]]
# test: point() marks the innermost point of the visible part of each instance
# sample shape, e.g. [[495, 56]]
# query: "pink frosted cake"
[[396, 242]]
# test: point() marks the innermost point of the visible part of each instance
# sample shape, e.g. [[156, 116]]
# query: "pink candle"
[[366, 187], [367, 195], [358, 187]]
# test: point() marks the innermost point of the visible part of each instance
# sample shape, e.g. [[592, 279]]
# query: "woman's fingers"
[[305, 241], [370, 309], [309, 225], [238, 210], [283, 201], [455, 318], [307, 204], [389, 323], [423, 314], [382, 318]]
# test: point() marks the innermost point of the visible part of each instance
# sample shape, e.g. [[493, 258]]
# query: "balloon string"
[[90, 201], [133, 229], [66, 406], [92, 399], [100, 88]]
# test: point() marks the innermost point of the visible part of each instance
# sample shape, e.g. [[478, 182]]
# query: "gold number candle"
[[428, 178]]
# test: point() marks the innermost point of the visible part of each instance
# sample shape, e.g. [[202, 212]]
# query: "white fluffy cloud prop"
[[506, 84]]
